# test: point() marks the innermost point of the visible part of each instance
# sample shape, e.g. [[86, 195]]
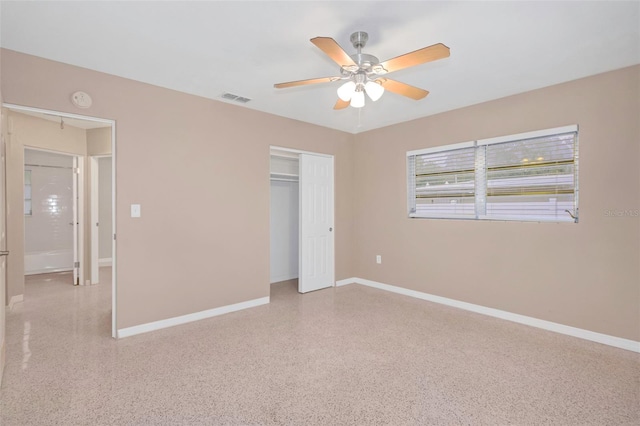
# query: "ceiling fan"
[[364, 73]]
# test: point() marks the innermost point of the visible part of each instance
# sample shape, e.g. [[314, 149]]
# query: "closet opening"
[[284, 212], [302, 219]]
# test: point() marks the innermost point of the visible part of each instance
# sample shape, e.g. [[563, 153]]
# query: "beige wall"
[[35, 132], [198, 231], [99, 141], [27, 131], [105, 233], [205, 220], [585, 275]]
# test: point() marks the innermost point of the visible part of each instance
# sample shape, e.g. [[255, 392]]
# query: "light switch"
[[135, 210]]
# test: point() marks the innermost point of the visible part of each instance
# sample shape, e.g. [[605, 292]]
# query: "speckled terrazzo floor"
[[346, 356]]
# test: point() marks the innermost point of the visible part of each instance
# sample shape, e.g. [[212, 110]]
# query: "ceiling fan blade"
[[417, 57], [305, 82], [340, 104], [333, 50], [403, 89]]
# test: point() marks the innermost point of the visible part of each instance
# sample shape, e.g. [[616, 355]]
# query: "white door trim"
[[297, 151], [78, 253], [112, 123], [93, 218], [3, 244]]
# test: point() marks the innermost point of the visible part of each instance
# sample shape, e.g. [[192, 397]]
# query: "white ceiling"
[[210, 47]]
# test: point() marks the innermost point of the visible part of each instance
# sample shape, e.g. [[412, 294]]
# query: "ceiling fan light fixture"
[[346, 91], [362, 72], [357, 100], [374, 90]]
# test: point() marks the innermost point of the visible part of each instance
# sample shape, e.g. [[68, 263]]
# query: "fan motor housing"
[[365, 60]]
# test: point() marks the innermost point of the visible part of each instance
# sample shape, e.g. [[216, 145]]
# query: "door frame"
[[111, 123], [77, 175], [93, 217], [77, 171], [297, 153], [3, 241]]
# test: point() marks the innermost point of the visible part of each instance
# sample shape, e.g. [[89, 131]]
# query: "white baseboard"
[[196, 316], [618, 342], [104, 262], [15, 299], [47, 271], [340, 283]]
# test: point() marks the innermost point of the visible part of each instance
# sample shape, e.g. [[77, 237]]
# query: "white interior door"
[[316, 223], [74, 223]]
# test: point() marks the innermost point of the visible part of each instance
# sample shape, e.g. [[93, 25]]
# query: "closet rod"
[[44, 165], [284, 180]]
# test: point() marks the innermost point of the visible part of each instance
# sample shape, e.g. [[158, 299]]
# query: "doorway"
[[301, 218], [52, 220], [90, 128]]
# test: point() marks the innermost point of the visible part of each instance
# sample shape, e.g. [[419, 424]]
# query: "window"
[[27, 193], [529, 177], [442, 182]]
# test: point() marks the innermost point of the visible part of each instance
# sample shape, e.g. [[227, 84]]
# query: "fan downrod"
[[366, 62]]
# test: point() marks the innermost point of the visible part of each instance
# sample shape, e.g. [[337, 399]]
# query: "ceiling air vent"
[[232, 97]]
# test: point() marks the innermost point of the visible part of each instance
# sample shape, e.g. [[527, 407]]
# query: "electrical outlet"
[[378, 259]]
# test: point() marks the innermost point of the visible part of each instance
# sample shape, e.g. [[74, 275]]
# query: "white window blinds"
[[444, 183], [531, 177]]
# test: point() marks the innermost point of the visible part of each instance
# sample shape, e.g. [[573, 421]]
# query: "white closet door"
[[316, 266]]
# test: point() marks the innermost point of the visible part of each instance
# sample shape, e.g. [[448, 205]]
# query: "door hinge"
[[114, 237], [76, 264], [76, 170]]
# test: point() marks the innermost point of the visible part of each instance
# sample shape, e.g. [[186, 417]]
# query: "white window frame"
[[481, 179]]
